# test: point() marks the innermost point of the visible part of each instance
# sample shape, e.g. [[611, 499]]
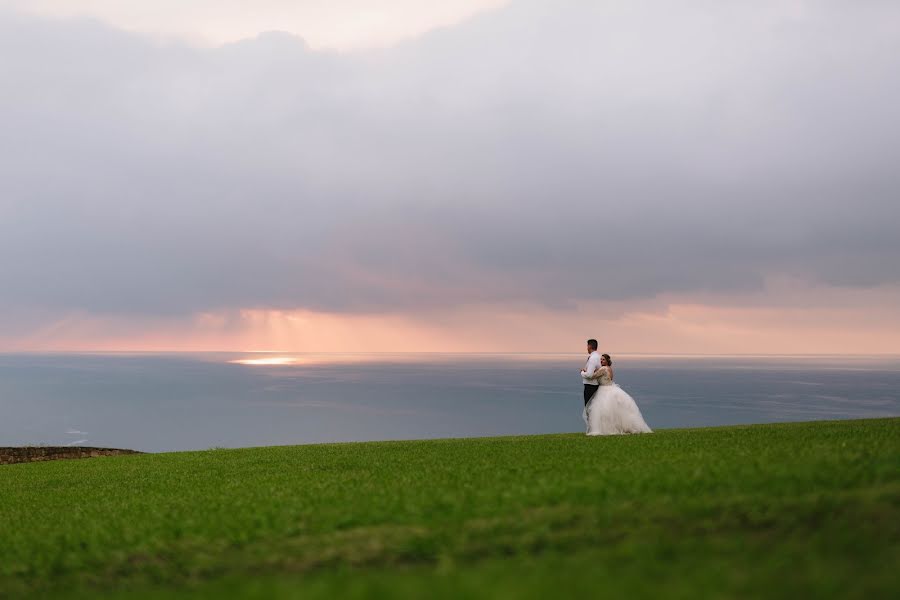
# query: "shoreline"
[[47, 453]]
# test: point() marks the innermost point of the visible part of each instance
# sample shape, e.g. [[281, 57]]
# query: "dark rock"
[[12, 455]]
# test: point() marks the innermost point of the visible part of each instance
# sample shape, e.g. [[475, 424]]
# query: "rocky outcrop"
[[9, 456]]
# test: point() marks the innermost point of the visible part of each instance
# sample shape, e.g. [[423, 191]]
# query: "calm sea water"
[[162, 402]]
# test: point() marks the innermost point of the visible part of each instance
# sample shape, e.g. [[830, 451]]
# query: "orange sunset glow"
[[673, 327]]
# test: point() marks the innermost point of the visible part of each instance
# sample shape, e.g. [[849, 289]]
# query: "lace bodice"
[[602, 376]]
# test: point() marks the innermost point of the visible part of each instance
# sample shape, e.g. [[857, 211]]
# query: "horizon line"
[[461, 353]]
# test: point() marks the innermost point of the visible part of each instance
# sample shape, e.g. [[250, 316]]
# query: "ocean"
[[187, 401]]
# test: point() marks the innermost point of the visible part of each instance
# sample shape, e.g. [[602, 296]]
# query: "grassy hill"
[[788, 510]]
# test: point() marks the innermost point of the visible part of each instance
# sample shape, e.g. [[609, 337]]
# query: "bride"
[[611, 410]]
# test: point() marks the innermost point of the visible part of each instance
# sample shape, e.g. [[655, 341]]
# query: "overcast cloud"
[[546, 152], [339, 24]]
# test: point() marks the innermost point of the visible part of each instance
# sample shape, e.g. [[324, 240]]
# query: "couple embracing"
[[608, 409]]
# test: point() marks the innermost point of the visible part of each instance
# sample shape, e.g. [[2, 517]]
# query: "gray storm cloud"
[[547, 152]]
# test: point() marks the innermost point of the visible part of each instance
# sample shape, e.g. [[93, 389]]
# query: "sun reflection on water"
[[269, 361]]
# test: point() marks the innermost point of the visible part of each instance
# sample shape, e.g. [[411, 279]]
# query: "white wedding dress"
[[611, 411]]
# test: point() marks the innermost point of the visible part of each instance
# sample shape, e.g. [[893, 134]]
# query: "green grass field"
[[788, 510]]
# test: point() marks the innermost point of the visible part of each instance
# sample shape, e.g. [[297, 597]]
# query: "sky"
[[343, 25], [696, 177]]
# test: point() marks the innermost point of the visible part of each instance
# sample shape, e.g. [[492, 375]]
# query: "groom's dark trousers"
[[589, 390]]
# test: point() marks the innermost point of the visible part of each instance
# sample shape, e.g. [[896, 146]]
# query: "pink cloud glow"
[[793, 321]]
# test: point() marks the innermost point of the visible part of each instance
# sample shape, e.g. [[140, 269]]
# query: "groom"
[[593, 363]]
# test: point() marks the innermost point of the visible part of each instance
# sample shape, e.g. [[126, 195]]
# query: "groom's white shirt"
[[593, 363]]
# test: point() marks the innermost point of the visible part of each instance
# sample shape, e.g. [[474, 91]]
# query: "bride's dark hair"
[[608, 359]]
